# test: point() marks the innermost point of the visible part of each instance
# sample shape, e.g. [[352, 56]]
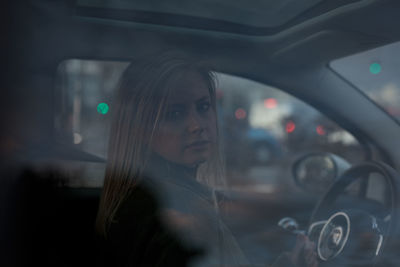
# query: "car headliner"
[[259, 17], [294, 59], [259, 13]]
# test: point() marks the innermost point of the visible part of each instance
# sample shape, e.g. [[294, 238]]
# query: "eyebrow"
[[172, 106], [203, 98], [180, 105]]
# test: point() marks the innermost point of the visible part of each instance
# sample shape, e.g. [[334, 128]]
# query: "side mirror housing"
[[315, 172]]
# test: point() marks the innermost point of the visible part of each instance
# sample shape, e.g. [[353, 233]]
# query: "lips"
[[198, 144]]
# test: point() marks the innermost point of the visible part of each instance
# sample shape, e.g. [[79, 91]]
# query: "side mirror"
[[315, 172]]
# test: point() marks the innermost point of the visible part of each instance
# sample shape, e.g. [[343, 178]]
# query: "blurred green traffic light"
[[102, 108], [375, 68]]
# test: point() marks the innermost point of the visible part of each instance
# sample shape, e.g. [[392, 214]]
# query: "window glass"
[[83, 97], [264, 129], [375, 72]]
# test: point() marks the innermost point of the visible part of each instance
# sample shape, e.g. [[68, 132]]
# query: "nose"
[[195, 123]]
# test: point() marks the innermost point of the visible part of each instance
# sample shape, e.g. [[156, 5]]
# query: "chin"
[[195, 159]]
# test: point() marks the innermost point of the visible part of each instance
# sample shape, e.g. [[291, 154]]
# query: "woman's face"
[[187, 136]]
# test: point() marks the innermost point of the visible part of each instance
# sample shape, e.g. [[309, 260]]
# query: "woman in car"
[[158, 207]]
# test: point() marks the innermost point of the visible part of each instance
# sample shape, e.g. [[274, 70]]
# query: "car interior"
[[63, 60]]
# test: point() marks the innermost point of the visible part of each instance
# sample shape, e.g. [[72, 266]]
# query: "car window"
[[375, 72], [264, 129], [279, 100]]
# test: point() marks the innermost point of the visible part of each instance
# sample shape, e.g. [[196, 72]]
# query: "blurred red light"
[[320, 130], [219, 93], [240, 114], [290, 126], [270, 103]]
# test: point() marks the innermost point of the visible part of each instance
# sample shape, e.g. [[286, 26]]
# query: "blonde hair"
[[140, 102]]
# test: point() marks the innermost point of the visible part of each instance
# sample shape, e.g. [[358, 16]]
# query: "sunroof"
[[255, 13]]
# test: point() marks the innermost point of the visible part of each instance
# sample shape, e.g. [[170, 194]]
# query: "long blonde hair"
[[138, 108]]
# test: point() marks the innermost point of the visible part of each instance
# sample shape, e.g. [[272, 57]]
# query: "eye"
[[203, 107], [174, 115]]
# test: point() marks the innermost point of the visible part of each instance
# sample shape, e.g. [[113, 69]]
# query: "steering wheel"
[[355, 236]]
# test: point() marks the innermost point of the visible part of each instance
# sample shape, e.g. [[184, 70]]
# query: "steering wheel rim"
[[392, 179]]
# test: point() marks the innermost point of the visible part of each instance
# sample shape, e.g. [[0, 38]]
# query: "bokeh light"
[[77, 138], [270, 103], [102, 108], [290, 126], [240, 113], [219, 93], [320, 130], [375, 68]]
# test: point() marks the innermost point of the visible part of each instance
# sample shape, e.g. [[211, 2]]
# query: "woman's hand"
[[303, 253]]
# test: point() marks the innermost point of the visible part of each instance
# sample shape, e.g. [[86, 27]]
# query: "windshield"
[[199, 133], [376, 73]]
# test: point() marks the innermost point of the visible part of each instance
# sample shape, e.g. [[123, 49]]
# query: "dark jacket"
[[172, 220]]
